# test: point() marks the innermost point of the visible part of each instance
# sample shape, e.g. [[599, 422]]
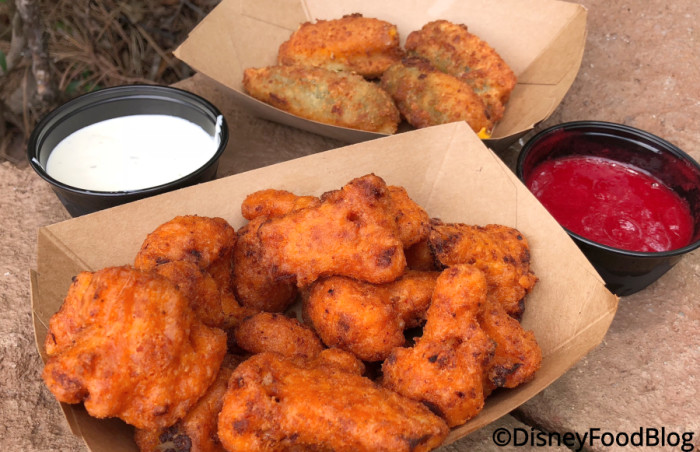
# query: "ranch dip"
[[131, 153]]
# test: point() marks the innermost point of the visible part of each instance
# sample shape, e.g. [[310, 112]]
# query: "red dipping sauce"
[[612, 203]]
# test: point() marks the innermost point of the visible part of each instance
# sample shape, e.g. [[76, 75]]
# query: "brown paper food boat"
[[541, 40], [446, 169]]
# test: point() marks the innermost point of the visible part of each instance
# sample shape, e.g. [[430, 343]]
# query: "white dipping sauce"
[[131, 153]]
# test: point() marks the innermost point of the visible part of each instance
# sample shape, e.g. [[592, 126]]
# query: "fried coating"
[[501, 252], [277, 403], [452, 49], [271, 332], [196, 432], [426, 96], [207, 243], [198, 287], [274, 203], [366, 319], [256, 283], [352, 315], [121, 343], [412, 220], [337, 98], [341, 359], [363, 45], [351, 233], [445, 367], [517, 356], [204, 241]]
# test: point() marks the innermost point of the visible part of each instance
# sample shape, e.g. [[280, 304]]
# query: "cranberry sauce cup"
[[624, 272]]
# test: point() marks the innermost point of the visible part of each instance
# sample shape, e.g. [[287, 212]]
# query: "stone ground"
[[641, 67]]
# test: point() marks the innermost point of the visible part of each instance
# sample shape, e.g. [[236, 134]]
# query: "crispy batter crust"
[[501, 252], [257, 284], [198, 287], [197, 431], [337, 98], [277, 403], [271, 332], [366, 319], [205, 241], [352, 233], [445, 368], [455, 51], [274, 203], [122, 341], [517, 356], [426, 96], [353, 43], [412, 220]]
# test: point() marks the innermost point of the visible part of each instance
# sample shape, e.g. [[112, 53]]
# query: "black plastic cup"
[[624, 272], [116, 102]]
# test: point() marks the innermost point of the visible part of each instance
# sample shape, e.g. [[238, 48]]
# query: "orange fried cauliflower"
[[127, 344], [352, 232], [445, 368], [366, 319], [278, 403], [501, 252]]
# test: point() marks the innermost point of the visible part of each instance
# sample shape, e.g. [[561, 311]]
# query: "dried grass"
[[100, 43]]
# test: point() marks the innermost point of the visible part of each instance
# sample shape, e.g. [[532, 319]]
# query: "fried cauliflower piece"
[[198, 287], [274, 203], [445, 368], [426, 96], [207, 242], [257, 285], [337, 98], [271, 332], [352, 232], [366, 319], [354, 43], [412, 220], [196, 432], [127, 344], [517, 356], [452, 49], [277, 403], [501, 252]]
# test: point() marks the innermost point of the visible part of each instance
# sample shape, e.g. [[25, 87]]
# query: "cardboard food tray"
[[541, 40], [446, 169]]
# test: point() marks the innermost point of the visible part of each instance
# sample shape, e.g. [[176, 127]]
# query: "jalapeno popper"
[[426, 96], [337, 98], [454, 50], [352, 43]]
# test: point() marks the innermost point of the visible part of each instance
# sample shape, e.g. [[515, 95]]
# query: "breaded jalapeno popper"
[[353, 43], [337, 98], [454, 50], [426, 96]]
